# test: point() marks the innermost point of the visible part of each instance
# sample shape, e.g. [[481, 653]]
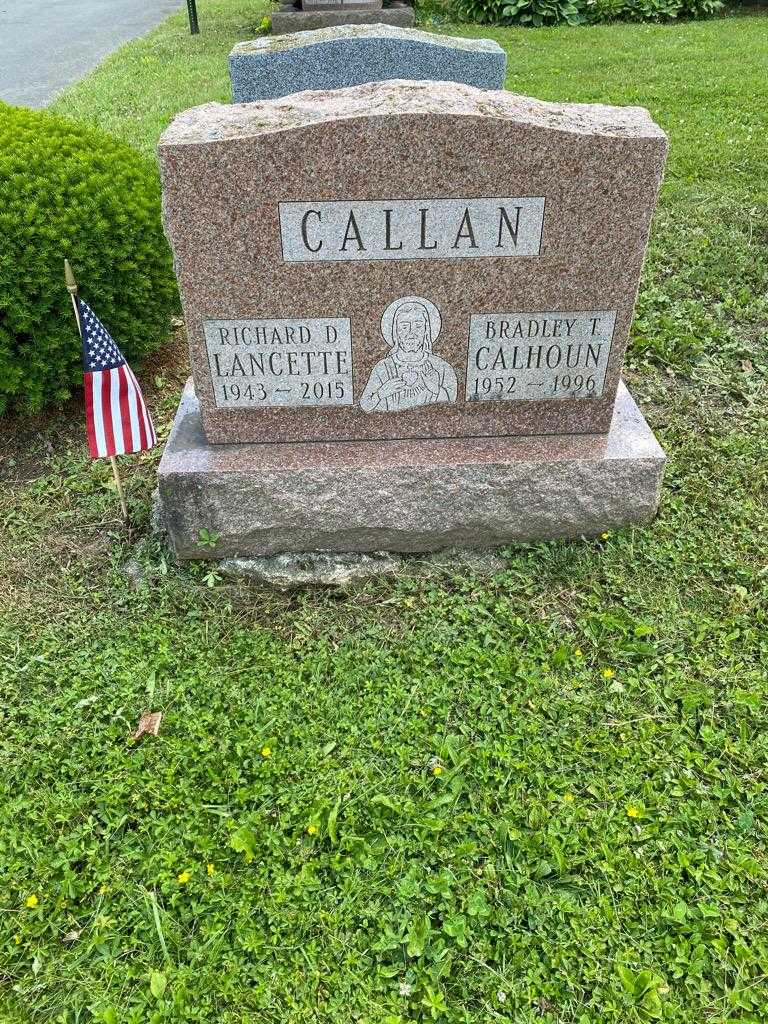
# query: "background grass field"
[[537, 795]]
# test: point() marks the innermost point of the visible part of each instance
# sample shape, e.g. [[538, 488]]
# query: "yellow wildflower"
[[312, 829], [266, 751], [633, 812], [17, 939], [437, 769], [605, 536], [608, 673], [31, 902], [579, 653], [210, 868], [568, 797], [184, 877], [103, 889]]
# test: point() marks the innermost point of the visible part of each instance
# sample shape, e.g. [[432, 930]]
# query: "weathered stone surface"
[[408, 260], [312, 569], [337, 58], [288, 21], [294, 570], [403, 496]]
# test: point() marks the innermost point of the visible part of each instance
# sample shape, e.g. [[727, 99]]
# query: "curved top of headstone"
[[485, 217], [217, 122], [347, 55], [273, 44]]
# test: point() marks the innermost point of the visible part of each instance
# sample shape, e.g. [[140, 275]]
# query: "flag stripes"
[[146, 420], [116, 417]]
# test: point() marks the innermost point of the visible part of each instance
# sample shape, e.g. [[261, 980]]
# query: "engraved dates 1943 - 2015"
[[290, 362]]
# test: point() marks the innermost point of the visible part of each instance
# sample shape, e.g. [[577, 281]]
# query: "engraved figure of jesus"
[[410, 375]]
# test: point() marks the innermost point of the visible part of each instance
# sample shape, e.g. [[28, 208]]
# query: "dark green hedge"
[[71, 191]]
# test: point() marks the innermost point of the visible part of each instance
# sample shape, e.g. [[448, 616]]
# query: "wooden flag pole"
[[119, 482], [69, 277]]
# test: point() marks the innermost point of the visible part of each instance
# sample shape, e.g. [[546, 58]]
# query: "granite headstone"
[[408, 259], [407, 306], [337, 58]]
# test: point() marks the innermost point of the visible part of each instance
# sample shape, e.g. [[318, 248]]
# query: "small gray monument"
[[335, 58]]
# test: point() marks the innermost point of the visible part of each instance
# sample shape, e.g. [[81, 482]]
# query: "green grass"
[[350, 882]]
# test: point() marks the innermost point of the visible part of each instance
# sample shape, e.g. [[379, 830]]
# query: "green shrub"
[[519, 12], [71, 191], [648, 10], [576, 12]]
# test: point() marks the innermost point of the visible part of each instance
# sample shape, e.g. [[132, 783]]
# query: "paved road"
[[46, 44]]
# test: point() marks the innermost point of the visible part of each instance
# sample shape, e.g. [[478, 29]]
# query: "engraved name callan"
[[411, 229]]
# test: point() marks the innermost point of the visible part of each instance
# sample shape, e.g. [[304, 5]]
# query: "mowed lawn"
[[530, 795]]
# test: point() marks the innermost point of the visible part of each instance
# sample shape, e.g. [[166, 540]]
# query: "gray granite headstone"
[[347, 55]]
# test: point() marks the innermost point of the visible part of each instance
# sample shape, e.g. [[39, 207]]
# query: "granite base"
[[405, 496], [292, 20]]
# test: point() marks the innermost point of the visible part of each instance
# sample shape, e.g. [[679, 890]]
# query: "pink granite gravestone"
[[413, 263]]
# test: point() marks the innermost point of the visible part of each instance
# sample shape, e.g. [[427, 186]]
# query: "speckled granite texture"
[[403, 496], [286, 21], [340, 57], [226, 169]]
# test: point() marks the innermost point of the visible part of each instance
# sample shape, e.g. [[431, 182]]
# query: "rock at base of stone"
[[349, 570], [284, 21], [312, 568], [251, 500]]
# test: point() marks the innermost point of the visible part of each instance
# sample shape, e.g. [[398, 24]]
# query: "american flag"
[[117, 420]]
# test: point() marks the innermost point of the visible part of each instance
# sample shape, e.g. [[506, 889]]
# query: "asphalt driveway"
[[46, 44]]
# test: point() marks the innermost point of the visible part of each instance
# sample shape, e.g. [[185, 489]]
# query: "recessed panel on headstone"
[[408, 260], [336, 58], [538, 356], [284, 362]]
